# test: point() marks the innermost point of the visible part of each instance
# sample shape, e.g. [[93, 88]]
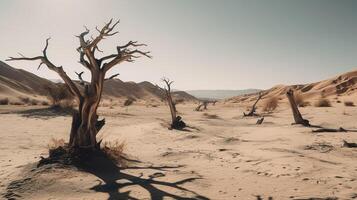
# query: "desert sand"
[[222, 155]]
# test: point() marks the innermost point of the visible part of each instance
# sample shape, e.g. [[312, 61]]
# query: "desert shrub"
[[115, 151], [34, 102], [24, 100], [129, 102], [55, 143], [300, 101], [44, 103], [322, 102], [270, 104], [178, 101], [16, 103], [66, 104], [338, 101], [211, 116], [349, 103], [4, 101], [58, 94]]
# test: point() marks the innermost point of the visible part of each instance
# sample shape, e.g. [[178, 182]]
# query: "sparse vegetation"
[[270, 104], [55, 143], [4, 101], [349, 103], [115, 151], [25, 100], [300, 101], [211, 116], [59, 95], [322, 102], [129, 102]]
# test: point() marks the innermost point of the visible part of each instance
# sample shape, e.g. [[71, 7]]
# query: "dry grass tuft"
[[271, 104], [211, 116], [129, 102], [115, 151], [349, 103], [322, 102], [25, 100], [4, 101], [55, 143], [300, 101]]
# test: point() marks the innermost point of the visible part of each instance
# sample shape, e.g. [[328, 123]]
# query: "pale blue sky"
[[200, 44]]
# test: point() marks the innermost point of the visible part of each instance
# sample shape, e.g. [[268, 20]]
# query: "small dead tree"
[[254, 107], [296, 113], [85, 123], [176, 121]]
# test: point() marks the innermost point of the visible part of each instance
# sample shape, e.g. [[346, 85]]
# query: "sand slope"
[[344, 86]]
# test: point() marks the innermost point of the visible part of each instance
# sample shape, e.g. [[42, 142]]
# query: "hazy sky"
[[200, 44]]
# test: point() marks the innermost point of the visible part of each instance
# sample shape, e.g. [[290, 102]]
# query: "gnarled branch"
[[59, 70], [112, 76]]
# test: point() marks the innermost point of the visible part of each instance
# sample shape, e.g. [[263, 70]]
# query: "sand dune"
[[343, 86]]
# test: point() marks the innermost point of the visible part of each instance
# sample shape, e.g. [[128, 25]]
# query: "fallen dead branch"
[[349, 144]]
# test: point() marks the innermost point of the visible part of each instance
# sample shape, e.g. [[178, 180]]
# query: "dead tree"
[[254, 108], [297, 115], [85, 123], [176, 121]]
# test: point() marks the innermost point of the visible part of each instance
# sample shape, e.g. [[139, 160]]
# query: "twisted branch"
[[59, 70]]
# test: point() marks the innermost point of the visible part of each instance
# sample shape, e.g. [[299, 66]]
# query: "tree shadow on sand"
[[114, 179], [45, 113]]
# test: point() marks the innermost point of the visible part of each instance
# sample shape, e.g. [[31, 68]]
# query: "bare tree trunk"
[[296, 113]]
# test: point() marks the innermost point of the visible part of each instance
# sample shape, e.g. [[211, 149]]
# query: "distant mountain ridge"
[[16, 83], [219, 94]]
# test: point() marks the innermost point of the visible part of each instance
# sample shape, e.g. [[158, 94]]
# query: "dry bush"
[[57, 95], [67, 103], [270, 104], [211, 116], [55, 143], [4, 101], [25, 100], [178, 101], [322, 102], [115, 151], [349, 103], [34, 102], [300, 101], [16, 103], [45, 103], [129, 102]]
